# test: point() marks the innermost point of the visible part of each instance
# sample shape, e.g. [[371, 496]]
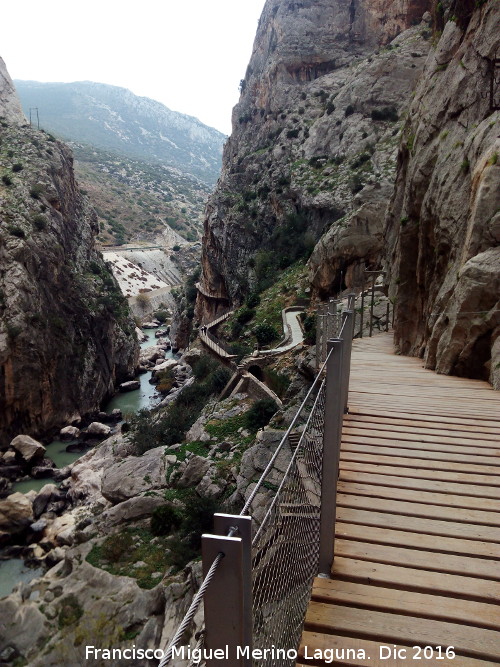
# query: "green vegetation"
[[309, 324], [16, 230], [40, 222], [277, 382], [290, 242], [265, 333], [149, 430], [70, 611], [386, 113], [260, 413], [119, 552], [165, 519], [287, 290]]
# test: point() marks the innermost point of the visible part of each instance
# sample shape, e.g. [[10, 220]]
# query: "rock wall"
[[314, 143], [443, 231], [65, 334]]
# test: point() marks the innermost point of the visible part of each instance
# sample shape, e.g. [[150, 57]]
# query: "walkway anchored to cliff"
[[417, 533]]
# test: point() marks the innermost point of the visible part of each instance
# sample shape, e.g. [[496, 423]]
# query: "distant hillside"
[[115, 119], [135, 200]]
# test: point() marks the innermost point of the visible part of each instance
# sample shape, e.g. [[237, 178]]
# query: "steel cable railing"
[[286, 547]]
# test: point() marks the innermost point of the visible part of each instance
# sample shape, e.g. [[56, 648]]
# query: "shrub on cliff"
[[265, 333], [149, 429], [165, 519], [260, 413]]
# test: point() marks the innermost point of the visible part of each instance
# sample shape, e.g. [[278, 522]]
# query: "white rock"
[[98, 429], [28, 447], [69, 433]]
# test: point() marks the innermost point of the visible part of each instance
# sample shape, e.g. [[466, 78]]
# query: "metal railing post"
[[227, 601], [362, 305], [331, 314], [348, 316], [371, 305], [331, 455], [351, 305]]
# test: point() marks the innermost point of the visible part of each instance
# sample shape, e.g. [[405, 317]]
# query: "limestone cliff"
[[314, 143], [443, 231], [65, 333]]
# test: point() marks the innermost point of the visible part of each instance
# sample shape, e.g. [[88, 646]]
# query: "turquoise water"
[[129, 403], [13, 572]]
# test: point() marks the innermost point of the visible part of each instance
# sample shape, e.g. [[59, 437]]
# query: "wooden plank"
[[464, 531], [410, 579], [416, 509], [419, 496], [407, 603], [457, 410], [414, 435], [460, 492], [435, 464], [417, 450], [420, 560], [418, 425], [421, 473], [407, 539], [367, 653], [485, 401], [381, 626], [489, 424]]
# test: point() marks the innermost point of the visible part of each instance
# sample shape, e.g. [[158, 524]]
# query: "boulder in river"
[[16, 514], [69, 433], [151, 325], [28, 448], [43, 498], [97, 429], [116, 415], [132, 385]]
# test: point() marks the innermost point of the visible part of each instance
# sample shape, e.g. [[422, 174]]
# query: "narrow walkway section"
[[295, 335], [417, 549]]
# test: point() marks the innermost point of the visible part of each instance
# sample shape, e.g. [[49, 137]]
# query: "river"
[[13, 570]]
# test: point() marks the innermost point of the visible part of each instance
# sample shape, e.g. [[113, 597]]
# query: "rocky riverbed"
[[106, 578]]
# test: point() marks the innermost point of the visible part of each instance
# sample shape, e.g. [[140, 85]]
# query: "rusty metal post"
[[228, 598], [331, 454]]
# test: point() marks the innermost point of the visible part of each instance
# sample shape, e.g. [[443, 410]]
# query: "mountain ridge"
[[114, 118]]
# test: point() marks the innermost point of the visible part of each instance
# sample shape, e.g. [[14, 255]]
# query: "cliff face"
[[65, 333], [443, 231], [314, 143]]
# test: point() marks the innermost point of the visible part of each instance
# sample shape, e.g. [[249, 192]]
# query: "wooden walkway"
[[417, 550]]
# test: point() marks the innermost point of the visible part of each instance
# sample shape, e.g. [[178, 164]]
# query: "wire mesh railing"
[[256, 591], [286, 545]]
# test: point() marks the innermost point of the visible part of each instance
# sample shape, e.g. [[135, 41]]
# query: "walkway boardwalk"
[[417, 550]]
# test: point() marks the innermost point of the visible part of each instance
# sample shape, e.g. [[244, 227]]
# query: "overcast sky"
[[188, 54]]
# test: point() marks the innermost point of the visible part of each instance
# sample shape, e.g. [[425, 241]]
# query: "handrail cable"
[[197, 599], [283, 440], [195, 603], [292, 460]]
